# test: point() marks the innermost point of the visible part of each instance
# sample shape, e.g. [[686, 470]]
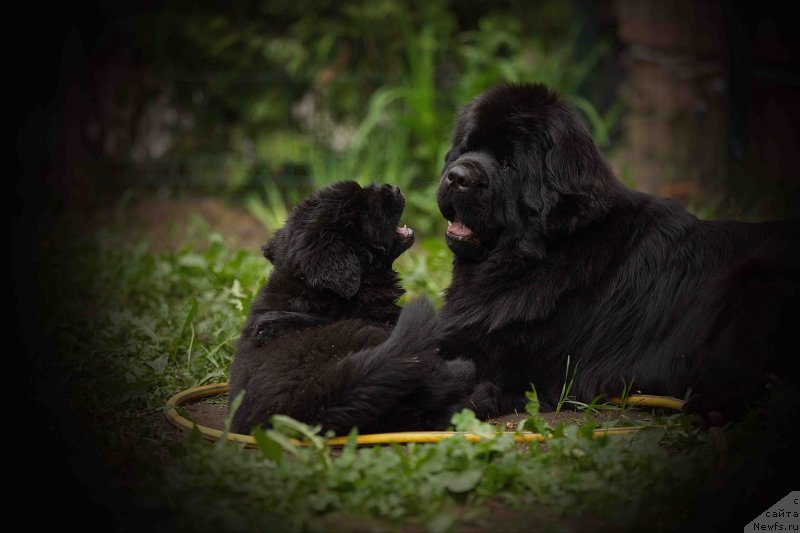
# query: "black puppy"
[[554, 257], [318, 344]]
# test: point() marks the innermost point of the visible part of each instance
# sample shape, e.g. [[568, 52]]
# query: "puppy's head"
[[339, 234], [522, 171]]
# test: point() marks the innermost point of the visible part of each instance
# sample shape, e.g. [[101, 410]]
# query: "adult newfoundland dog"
[[318, 343], [556, 259]]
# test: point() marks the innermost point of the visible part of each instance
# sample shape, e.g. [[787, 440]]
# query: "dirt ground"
[[211, 412], [166, 221]]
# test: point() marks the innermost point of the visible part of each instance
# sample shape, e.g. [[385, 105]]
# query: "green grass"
[[133, 326], [566, 387]]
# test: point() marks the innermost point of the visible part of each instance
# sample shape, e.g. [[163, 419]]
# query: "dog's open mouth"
[[459, 230], [461, 239], [404, 238], [405, 232]]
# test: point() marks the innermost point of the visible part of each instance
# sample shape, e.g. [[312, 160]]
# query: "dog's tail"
[[360, 389]]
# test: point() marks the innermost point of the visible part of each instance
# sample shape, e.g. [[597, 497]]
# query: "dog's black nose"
[[460, 177]]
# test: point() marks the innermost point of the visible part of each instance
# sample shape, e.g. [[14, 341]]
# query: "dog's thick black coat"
[[318, 343], [555, 258]]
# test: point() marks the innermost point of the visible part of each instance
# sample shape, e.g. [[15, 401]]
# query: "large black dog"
[[555, 258], [318, 344]]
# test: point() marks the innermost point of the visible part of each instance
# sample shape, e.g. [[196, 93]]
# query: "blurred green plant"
[[444, 485], [298, 96]]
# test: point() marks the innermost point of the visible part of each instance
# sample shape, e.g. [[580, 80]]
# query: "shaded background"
[[119, 104], [692, 100], [268, 99]]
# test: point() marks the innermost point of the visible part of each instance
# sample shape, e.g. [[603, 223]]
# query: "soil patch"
[[168, 222], [211, 412]]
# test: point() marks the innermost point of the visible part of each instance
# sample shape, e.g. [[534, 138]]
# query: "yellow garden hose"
[[203, 391], [647, 400]]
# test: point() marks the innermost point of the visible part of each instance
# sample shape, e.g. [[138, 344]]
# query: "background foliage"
[[267, 100]]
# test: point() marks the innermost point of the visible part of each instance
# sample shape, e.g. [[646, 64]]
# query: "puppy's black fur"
[[554, 257], [318, 344]]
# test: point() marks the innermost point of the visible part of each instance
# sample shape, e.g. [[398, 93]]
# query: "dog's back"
[[694, 303]]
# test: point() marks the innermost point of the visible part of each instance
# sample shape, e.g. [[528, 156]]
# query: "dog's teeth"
[[449, 223]]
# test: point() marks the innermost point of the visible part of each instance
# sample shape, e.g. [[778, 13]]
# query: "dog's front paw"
[[265, 332], [485, 400], [271, 323], [266, 327]]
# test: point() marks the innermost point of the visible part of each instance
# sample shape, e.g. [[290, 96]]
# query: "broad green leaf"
[[464, 481], [268, 447]]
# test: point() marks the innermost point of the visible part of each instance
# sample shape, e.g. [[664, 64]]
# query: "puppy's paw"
[[485, 400], [265, 331], [271, 323]]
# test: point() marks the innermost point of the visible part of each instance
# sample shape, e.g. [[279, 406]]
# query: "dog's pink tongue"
[[458, 229]]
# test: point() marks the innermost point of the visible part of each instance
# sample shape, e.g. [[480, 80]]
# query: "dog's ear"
[[337, 270], [577, 181], [324, 263]]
